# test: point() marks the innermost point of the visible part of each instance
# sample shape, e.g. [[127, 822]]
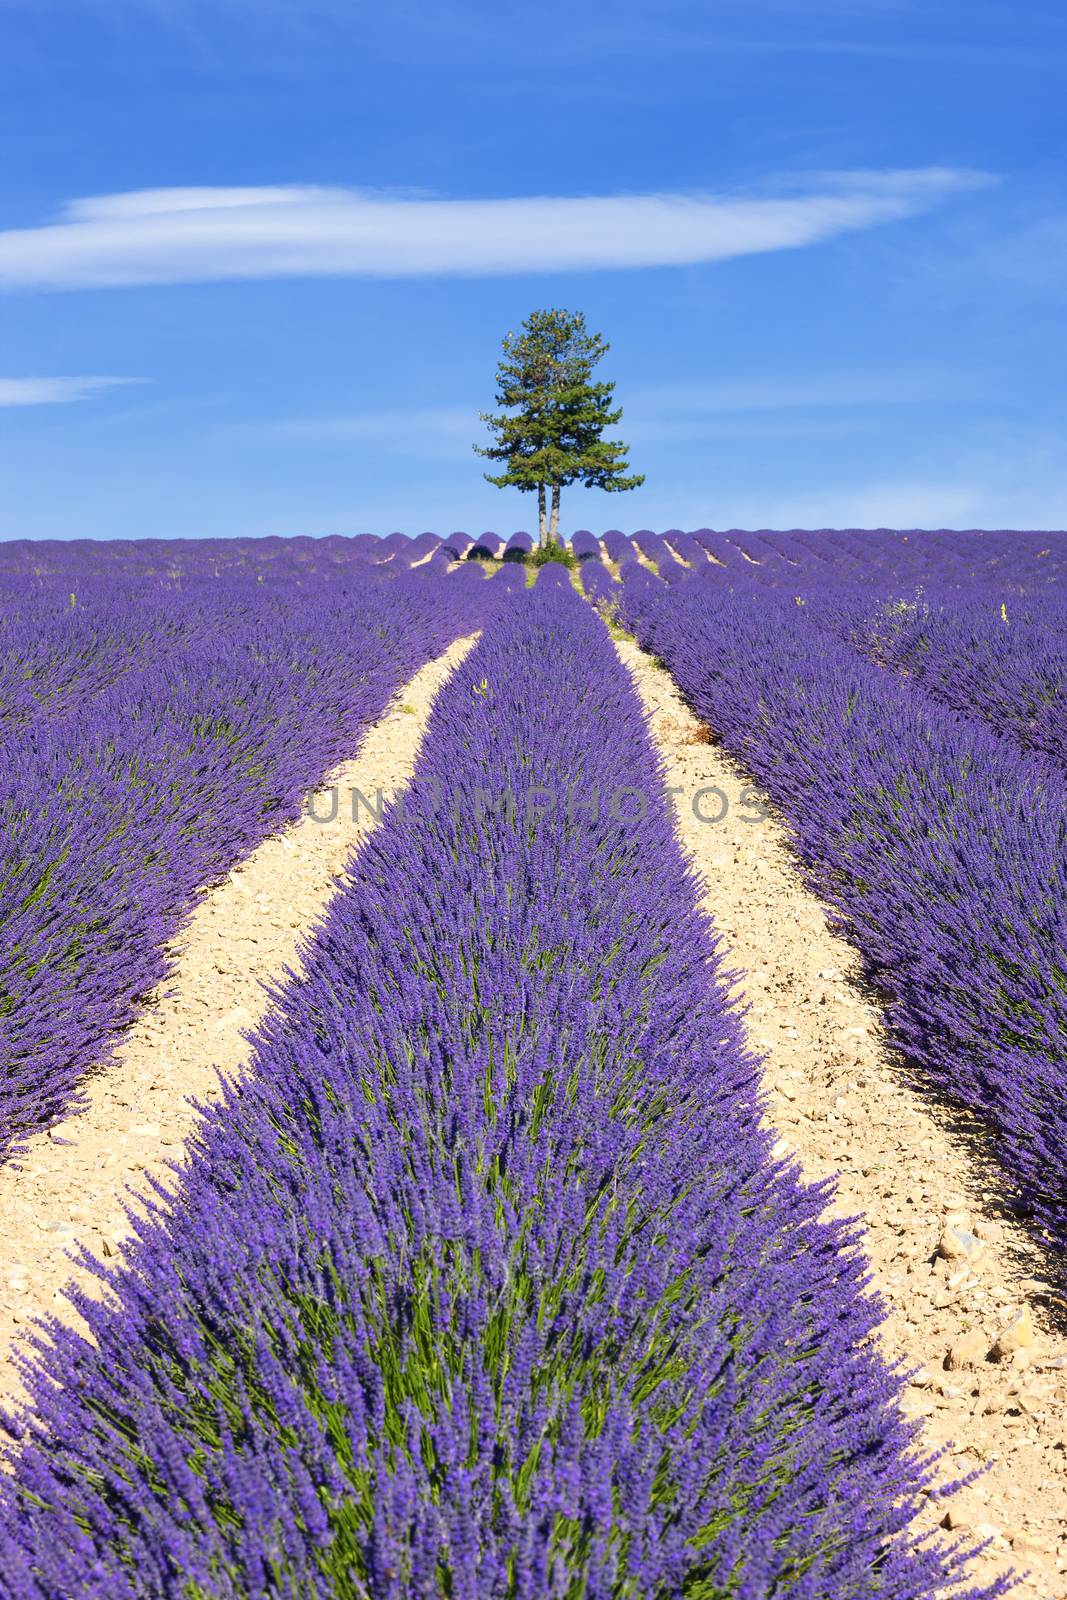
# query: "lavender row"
[[484, 1283], [291, 559], [980, 656], [1007, 562], [55, 654], [62, 644], [144, 773], [944, 851]]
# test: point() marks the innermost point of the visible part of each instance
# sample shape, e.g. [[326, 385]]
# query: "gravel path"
[[71, 1186], [954, 1274]]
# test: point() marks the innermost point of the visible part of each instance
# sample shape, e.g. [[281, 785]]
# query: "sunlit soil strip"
[[70, 1186], [843, 1110]]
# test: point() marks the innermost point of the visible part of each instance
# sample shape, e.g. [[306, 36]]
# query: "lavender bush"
[[518, 547], [597, 581], [618, 547], [686, 547], [585, 546]]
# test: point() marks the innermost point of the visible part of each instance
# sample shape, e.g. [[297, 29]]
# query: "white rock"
[[959, 1244], [1018, 1335], [967, 1351]]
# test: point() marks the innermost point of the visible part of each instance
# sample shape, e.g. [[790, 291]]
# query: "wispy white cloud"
[[53, 391], [157, 236]]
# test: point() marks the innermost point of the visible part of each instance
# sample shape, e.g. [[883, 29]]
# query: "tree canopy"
[[549, 430]]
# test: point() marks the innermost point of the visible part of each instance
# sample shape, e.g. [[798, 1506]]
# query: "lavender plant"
[[585, 546]]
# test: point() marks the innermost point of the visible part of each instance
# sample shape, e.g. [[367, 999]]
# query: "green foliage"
[[553, 551], [549, 430], [609, 612]]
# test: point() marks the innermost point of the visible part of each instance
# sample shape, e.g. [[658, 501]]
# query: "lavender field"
[[498, 1266]]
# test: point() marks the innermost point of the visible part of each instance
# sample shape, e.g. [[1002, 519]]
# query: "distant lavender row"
[[63, 643], [141, 761], [57, 653], [1007, 563], [882, 558], [484, 1283], [1005, 664], [290, 558], [1012, 562], [944, 850]]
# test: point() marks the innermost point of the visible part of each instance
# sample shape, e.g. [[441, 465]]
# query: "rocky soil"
[[967, 1307]]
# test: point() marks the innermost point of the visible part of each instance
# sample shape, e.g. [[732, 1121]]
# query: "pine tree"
[[549, 431]]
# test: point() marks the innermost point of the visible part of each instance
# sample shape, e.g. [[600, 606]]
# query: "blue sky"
[[256, 258]]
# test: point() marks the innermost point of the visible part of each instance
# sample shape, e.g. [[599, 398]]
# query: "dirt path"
[[950, 1269], [70, 1186]]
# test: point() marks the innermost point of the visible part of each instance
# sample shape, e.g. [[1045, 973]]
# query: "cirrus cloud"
[[189, 235], [53, 391]]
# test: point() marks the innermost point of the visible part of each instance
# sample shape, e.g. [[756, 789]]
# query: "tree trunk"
[[542, 536], [553, 527]]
